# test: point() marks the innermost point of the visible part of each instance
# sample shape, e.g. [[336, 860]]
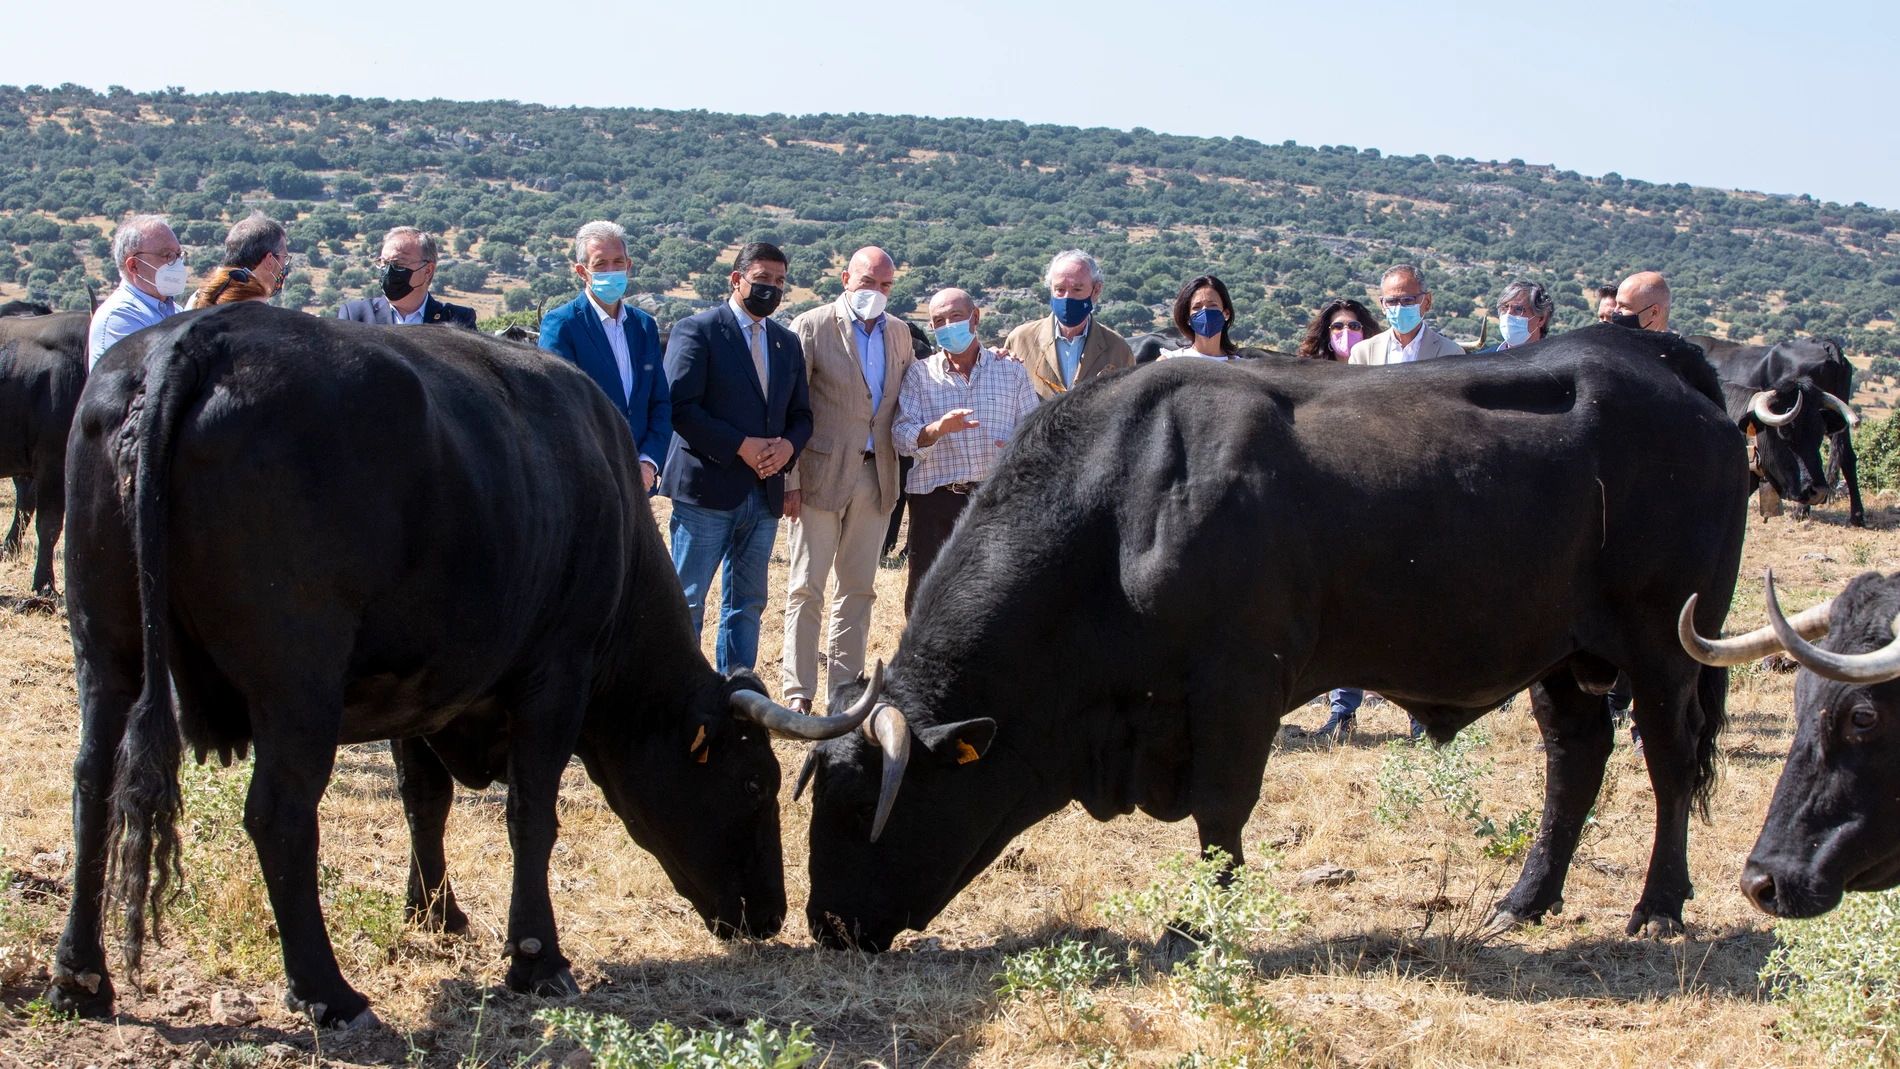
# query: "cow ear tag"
[[966, 753], [699, 740]]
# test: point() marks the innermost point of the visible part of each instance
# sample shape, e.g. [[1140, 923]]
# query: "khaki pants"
[[850, 540]]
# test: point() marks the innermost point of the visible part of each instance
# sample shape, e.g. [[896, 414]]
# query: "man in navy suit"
[[405, 268], [740, 417], [617, 344]]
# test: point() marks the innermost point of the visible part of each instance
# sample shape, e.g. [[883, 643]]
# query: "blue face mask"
[[1071, 311], [607, 286], [1516, 329], [1405, 318], [1207, 322], [954, 337]]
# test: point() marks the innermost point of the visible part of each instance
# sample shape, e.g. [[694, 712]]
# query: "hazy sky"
[[1779, 97]]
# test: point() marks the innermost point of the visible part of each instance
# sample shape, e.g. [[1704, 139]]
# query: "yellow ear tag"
[[966, 753], [698, 741], [703, 754]]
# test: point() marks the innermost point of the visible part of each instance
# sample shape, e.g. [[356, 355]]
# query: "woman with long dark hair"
[[1204, 314], [1339, 326]]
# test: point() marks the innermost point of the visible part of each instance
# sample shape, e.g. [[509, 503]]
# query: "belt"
[[960, 488]]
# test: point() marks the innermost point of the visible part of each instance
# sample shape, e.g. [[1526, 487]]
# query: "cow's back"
[[42, 370], [467, 500]]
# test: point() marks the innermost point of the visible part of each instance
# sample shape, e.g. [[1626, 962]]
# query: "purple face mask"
[[1344, 340]]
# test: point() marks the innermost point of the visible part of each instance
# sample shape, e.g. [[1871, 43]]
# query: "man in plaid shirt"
[[955, 414]]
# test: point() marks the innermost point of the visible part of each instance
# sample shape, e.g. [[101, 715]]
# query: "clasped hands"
[[767, 456]]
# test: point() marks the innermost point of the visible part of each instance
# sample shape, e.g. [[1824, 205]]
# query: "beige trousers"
[[847, 541]]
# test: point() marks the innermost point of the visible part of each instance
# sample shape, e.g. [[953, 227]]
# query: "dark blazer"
[[574, 331], [376, 310], [717, 404]]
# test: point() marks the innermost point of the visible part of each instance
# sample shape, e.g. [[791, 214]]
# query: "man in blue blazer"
[[740, 417], [617, 344]]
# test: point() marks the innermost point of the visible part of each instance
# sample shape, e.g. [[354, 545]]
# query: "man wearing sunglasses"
[[1405, 301], [152, 272]]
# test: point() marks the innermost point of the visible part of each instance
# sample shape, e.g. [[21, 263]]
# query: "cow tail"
[[146, 800], [1712, 696]]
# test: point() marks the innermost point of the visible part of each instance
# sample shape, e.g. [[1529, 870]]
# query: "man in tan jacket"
[[841, 494], [1406, 302], [1068, 346]]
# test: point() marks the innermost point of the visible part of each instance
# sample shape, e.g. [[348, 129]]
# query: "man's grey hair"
[[424, 240], [1534, 294], [1073, 256], [129, 239], [1404, 269], [254, 237], [598, 230]]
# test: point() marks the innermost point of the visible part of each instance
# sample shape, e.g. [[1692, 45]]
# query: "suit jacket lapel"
[[1094, 355], [1051, 362], [605, 369], [380, 313]]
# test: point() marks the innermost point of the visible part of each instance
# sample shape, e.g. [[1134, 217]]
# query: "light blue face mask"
[[955, 337], [1405, 317], [607, 286], [1516, 329]]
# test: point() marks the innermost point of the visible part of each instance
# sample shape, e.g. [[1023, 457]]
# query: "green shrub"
[[615, 1045], [1840, 975], [1062, 976], [1414, 772], [1877, 453]]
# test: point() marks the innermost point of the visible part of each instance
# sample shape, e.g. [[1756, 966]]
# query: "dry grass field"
[[1386, 970]]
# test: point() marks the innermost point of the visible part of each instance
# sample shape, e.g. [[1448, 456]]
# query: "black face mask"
[[396, 282], [763, 300], [1632, 320]]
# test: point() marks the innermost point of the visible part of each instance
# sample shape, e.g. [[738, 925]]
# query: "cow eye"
[[1863, 720], [754, 787]]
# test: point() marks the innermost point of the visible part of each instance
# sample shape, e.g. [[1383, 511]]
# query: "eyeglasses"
[[1408, 301], [179, 257], [1353, 324]]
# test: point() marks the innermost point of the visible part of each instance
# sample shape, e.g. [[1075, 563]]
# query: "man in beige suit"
[[1068, 346], [841, 494], [1405, 301]]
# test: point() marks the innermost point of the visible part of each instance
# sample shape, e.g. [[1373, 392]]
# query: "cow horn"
[[756, 707], [1722, 652], [1759, 406], [1876, 667], [891, 732], [1838, 405]]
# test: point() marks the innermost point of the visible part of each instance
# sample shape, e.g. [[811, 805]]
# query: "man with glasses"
[[405, 269], [152, 272], [258, 244], [1406, 302], [1524, 313]]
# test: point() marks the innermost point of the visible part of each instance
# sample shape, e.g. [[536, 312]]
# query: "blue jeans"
[[740, 539], [1346, 701]]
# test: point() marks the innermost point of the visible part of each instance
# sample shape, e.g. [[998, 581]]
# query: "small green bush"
[[615, 1045], [1063, 976], [1877, 453], [1414, 773], [1840, 976]]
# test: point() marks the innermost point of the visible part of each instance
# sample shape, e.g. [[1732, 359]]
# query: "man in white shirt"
[[1406, 302], [152, 272]]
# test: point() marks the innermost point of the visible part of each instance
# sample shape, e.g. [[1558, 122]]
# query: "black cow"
[[326, 532], [1789, 397], [25, 308], [42, 371], [1834, 824], [1168, 560], [1147, 347]]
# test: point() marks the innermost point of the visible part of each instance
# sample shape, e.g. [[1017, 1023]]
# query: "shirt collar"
[[746, 318], [155, 304], [421, 309], [844, 309], [1055, 330], [618, 317]]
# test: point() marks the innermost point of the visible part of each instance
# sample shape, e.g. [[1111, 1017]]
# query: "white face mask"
[[866, 304], [170, 280]]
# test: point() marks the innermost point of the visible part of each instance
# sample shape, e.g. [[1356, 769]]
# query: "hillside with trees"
[[979, 204]]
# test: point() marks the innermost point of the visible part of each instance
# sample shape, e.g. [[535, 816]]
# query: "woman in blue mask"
[[1524, 313], [1203, 313]]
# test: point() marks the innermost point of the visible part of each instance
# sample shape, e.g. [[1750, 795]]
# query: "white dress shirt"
[[615, 327], [413, 318]]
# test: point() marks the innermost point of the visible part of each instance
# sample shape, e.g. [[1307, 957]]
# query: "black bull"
[[333, 533], [1168, 560], [42, 371], [1790, 397], [1834, 824]]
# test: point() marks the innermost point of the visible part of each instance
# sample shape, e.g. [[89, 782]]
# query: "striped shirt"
[[997, 390]]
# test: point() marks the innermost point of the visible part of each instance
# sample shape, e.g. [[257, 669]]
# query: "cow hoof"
[[1657, 926], [363, 1021], [86, 994], [345, 1014], [443, 916], [1505, 920]]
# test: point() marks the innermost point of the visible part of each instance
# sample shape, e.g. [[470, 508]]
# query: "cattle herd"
[[285, 534]]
